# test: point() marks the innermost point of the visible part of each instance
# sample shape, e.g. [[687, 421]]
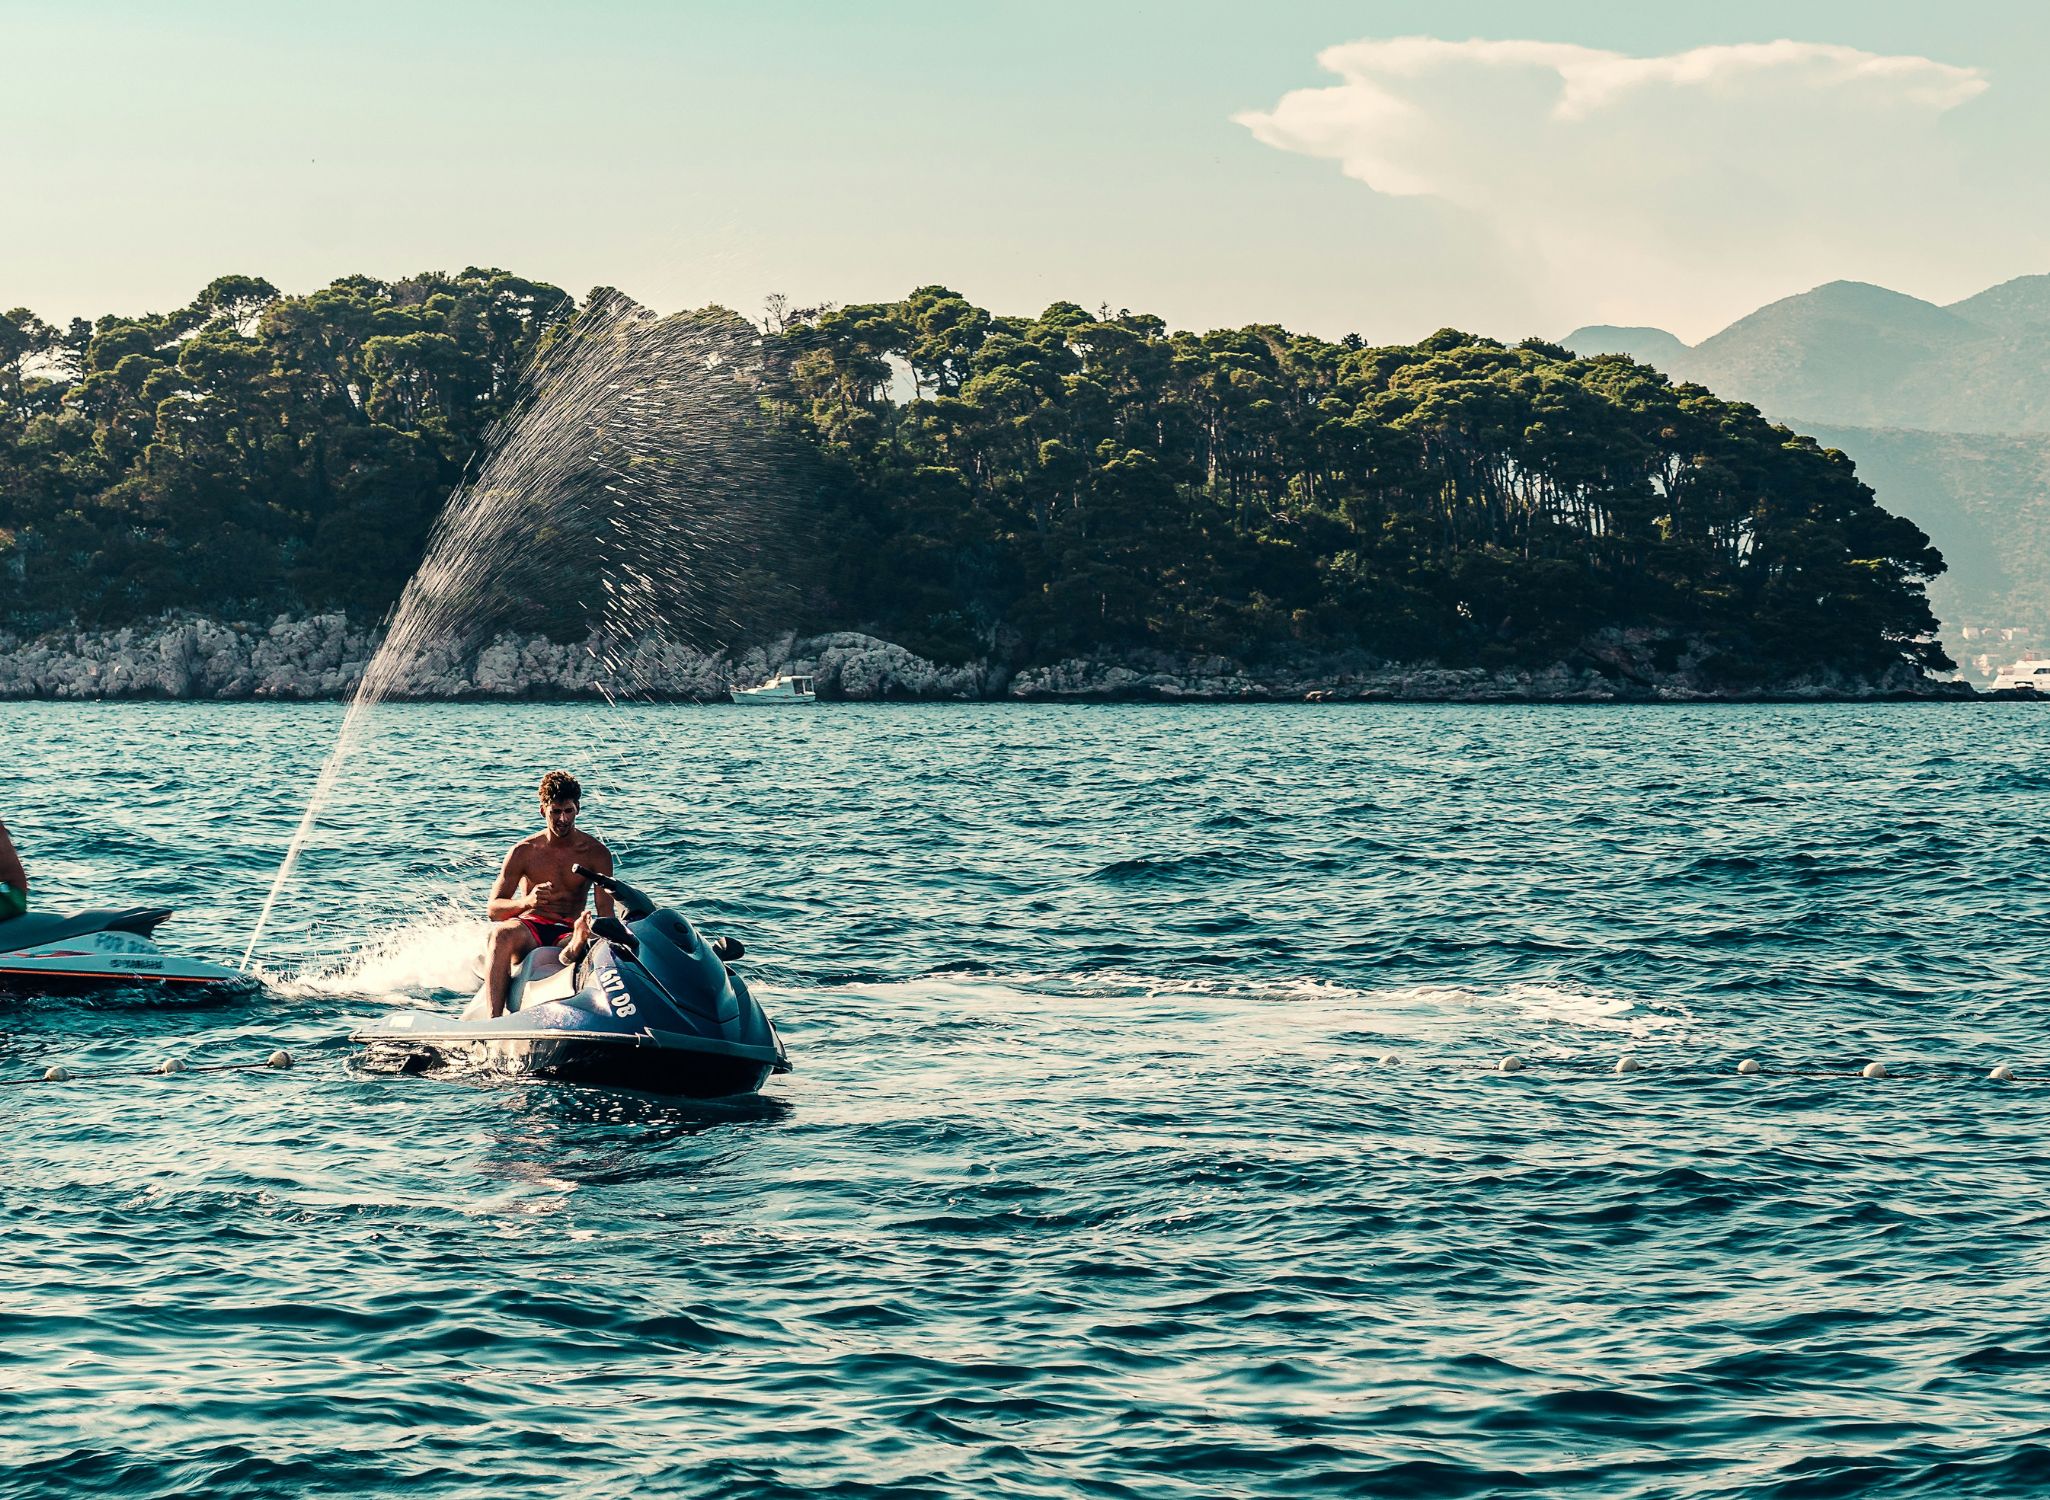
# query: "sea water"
[[1146, 1136]]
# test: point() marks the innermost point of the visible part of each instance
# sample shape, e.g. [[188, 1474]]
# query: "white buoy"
[[1511, 1064], [170, 1065], [56, 1073], [2001, 1073], [1389, 1059], [281, 1059], [1748, 1066], [1628, 1063], [1874, 1070]]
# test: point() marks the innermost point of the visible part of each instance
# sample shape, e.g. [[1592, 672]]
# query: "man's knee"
[[511, 936]]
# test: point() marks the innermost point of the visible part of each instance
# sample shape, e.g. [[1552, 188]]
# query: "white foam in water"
[[1547, 1020], [1619, 1015], [429, 955], [1544, 1003]]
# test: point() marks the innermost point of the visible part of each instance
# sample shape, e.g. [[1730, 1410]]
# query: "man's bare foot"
[[579, 939]]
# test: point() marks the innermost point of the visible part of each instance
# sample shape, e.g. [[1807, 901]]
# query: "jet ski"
[[651, 1005], [88, 948]]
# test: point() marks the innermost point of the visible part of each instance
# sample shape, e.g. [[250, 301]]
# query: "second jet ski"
[[651, 1005], [90, 949]]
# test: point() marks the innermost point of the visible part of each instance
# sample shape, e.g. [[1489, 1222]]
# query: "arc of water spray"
[[624, 414], [323, 788]]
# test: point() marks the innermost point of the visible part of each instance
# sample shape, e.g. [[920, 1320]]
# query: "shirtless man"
[[539, 900]]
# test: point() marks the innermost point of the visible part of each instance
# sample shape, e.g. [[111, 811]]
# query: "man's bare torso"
[[542, 861]]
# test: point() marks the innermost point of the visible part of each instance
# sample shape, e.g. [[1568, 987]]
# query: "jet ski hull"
[[101, 959], [621, 1062]]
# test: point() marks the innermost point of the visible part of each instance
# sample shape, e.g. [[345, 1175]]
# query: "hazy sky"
[[1512, 167]]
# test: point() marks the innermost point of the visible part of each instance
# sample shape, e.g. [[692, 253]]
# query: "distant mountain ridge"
[[1651, 346], [1945, 410], [1852, 353], [1984, 499]]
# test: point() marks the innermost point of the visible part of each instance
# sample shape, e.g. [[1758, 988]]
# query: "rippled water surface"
[[1092, 1179]]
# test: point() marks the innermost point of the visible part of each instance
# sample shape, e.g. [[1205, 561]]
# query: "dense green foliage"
[[250, 450], [1090, 480], [1042, 486]]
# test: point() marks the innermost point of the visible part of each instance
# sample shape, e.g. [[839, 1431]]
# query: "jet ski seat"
[[539, 964], [33, 929]]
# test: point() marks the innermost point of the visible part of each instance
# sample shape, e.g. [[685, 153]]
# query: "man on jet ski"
[[13, 879], [539, 899]]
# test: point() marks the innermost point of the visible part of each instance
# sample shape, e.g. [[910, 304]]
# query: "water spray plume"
[[637, 491]]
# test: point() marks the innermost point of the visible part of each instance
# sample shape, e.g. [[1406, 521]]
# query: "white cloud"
[[1695, 184]]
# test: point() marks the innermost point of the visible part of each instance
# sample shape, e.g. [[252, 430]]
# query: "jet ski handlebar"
[[631, 901]]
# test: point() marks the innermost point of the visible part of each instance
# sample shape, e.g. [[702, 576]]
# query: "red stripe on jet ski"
[[110, 974]]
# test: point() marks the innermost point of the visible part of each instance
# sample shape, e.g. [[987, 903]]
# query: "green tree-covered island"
[[1077, 501]]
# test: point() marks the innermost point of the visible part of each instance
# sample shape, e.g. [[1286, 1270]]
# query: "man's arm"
[[503, 902], [11, 872], [601, 861]]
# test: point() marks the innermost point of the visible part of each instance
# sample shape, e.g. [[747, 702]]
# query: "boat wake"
[[1552, 1019], [433, 955]]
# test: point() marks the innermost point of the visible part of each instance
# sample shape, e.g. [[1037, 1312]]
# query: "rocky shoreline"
[[324, 656]]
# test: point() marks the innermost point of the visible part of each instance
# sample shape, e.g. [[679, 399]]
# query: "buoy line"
[[58, 1073]]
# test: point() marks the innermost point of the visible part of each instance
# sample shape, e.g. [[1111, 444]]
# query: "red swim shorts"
[[548, 933]]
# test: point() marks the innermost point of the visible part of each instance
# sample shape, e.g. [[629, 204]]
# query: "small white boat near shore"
[[2030, 674], [778, 692]]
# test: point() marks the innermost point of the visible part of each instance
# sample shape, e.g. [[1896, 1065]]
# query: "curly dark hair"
[[560, 786]]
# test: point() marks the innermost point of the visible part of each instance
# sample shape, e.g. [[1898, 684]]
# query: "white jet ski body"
[[89, 948]]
